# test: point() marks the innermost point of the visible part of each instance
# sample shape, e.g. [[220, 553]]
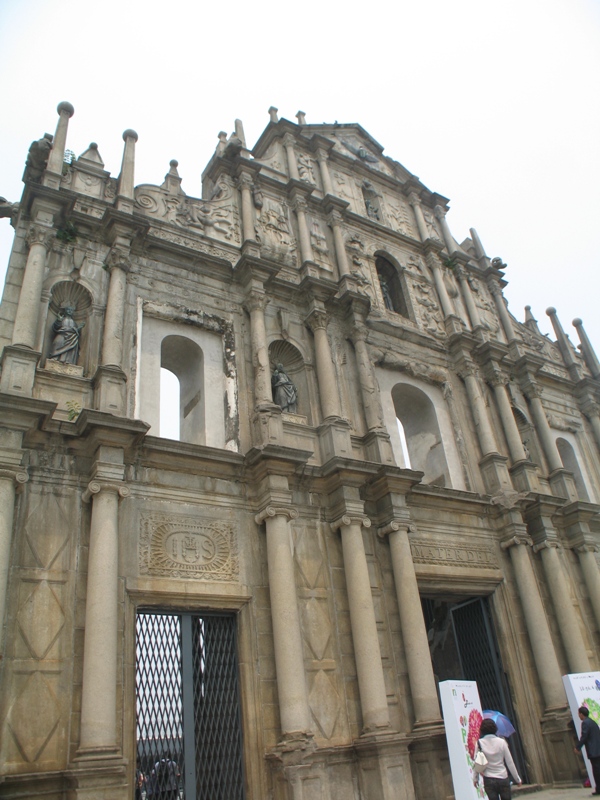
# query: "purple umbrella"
[[505, 726]]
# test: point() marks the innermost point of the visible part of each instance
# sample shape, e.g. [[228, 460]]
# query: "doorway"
[[463, 646], [189, 733]]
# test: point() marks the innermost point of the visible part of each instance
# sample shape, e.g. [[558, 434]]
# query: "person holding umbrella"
[[495, 776]]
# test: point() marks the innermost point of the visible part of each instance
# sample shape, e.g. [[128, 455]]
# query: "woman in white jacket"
[[495, 776]]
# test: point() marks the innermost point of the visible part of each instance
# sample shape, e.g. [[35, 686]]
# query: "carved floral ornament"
[[179, 547]]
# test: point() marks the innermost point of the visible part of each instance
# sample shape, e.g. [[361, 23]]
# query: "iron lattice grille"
[[188, 708]]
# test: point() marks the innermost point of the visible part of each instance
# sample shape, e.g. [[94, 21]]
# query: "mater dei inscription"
[[182, 547], [425, 552]]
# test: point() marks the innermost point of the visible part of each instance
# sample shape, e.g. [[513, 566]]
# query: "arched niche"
[[418, 417], [284, 353], [195, 356], [570, 462], [390, 285], [69, 294]]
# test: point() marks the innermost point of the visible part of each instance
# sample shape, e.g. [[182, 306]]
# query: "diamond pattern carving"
[[308, 557], [317, 628], [34, 717], [47, 530], [40, 620], [324, 702]]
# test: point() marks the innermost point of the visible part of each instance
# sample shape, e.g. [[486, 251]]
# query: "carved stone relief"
[[181, 547], [487, 310], [399, 217], [274, 232], [450, 554], [428, 309], [318, 242], [306, 169], [431, 227]]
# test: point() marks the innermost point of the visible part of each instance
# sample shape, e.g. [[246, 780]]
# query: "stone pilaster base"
[[430, 762], [524, 477], [18, 370], [384, 767], [378, 447], [109, 391], [334, 439], [559, 738], [267, 426], [494, 471], [562, 484]]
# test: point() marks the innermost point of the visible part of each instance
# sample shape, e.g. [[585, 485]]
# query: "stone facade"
[[314, 524]]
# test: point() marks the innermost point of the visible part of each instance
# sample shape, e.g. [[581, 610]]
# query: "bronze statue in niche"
[[285, 393], [67, 334]]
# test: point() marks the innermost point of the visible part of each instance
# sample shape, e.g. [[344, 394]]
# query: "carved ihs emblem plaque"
[[181, 547]]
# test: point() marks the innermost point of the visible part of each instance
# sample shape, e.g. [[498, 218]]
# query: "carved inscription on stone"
[[181, 547], [424, 552]]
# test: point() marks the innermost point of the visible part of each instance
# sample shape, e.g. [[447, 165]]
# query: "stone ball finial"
[[527, 308], [130, 134], [66, 107], [174, 163], [93, 146], [550, 311], [577, 322]]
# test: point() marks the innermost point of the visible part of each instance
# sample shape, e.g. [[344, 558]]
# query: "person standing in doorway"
[[495, 776], [590, 738]]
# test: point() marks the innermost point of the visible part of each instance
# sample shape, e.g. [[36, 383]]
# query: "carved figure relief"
[[341, 186], [372, 201], [400, 219], [285, 393], [65, 343], [430, 222], [429, 310], [487, 311], [318, 242], [274, 233], [305, 169], [181, 547]]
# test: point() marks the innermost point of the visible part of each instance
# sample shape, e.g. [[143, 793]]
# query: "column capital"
[[317, 319], [244, 181], [587, 548], [494, 286], [467, 369], [334, 218], [546, 543], [118, 258], [289, 140], [299, 203], [396, 525], [439, 212], [532, 390], [359, 332], [414, 199], [346, 519], [18, 476], [95, 487], [515, 540], [497, 377], [275, 511], [40, 234], [255, 300]]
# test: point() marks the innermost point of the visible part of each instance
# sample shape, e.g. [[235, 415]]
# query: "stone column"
[[288, 143], [28, 310], [505, 319], [112, 340], [322, 158], [537, 624], [541, 423], [468, 297], [563, 607], [591, 575], [586, 348], [98, 732], [416, 646], [509, 425], [245, 187], [477, 403], [300, 206], [369, 670], [414, 200], [592, 411], [8, 479], [447, 236], [330, 404], [255, 305], [335, 220], [438, 278], [368, 383], [125, 193], [53, 174], [287, 638]]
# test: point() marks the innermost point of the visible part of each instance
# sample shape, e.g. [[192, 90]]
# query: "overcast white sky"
[[492, 104]]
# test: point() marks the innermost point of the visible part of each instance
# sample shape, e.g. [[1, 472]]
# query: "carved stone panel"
[[441, 554], [183, 547]]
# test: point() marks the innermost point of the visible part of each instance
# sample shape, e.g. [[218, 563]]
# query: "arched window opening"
[[405, 453], [391, 290], [184, 358], [169, 405], [569, 459], [424, 445]]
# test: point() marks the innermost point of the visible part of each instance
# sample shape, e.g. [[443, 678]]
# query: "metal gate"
[[189, 734], [480, 661]]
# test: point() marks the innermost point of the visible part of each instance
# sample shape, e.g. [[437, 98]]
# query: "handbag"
[[480, 762]]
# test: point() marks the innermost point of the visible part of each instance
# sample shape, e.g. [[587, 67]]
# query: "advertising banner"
[[462, 718], [583, 689]]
